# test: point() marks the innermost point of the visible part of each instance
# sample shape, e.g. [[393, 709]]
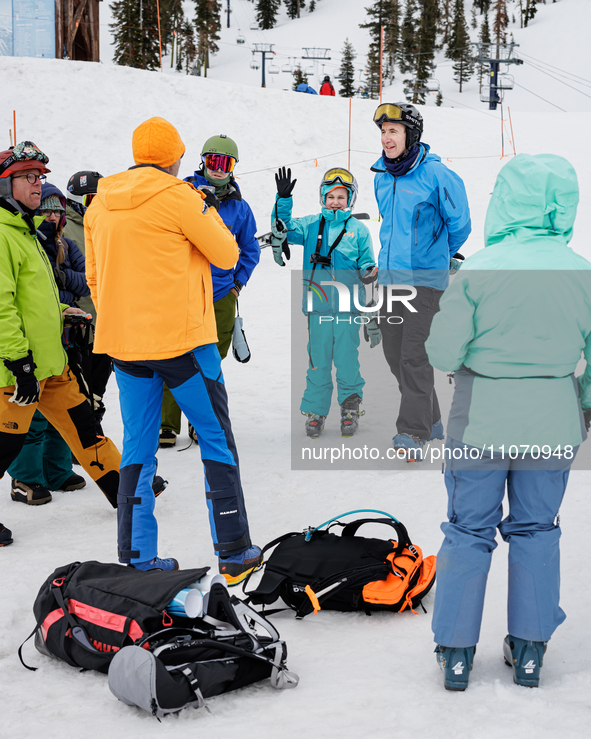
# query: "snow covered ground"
[[377, 675]]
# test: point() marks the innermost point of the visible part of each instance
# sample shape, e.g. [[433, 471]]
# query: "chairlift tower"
[[263, 50], [316, 54], [495, 55]]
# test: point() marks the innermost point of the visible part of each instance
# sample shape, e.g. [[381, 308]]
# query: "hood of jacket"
[[233, 192], [539, 193], [132, 188]]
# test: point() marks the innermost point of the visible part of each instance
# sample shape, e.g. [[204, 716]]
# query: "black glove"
[[284, 183], [210, 197], [27, 390], [60, 278], [587, 417], [370, 275]]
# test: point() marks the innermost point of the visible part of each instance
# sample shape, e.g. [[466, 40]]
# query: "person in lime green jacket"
[[512, 327], [33, 368]]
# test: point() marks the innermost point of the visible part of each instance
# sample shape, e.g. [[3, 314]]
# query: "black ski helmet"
[[326, 79], [81, 184], [403, 113]]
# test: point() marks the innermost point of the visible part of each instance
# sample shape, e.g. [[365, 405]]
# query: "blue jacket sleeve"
[[366, 256], [296, 230], [455, 209], [74, 272], [250, 251]]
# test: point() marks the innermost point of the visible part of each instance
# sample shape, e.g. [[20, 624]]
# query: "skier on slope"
[[426, 220], [512, 327], [219, 156], [326, 87], [336, 246]]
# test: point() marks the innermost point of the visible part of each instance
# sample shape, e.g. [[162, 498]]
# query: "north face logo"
[[11, 425]]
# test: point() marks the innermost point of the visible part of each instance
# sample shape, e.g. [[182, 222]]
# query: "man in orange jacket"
[[150, 239]]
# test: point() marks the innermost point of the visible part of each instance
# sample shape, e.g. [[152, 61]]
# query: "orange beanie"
[[157, 141]]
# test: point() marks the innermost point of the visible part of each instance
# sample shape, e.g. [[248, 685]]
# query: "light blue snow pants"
[[332, 341], [532, 530]]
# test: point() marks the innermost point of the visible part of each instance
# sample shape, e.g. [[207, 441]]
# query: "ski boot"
[[526, 658], [314, 424], [456, 663], [236, 568], [412, 445], [350, 415], [168, 565]]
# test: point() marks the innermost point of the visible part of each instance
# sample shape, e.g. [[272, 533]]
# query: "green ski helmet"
[[221, 144]]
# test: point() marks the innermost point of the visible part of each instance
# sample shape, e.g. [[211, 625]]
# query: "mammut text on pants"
[[196, 382]]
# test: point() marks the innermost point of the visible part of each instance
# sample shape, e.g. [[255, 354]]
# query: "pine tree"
[[501, 21], [444, 22], [208, 25], [294, 6], [135, 33], [299, 76], [439, 98], [473, 20], [312, 7], [188, 47], [459, 46], [373, 71], [386, 14], [266, 13], [530, 10], [427, 34], [484, 37], [346, 75], [482, 5], [408, 38]]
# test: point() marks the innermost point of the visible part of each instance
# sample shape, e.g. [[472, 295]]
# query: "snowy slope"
[[359, 676]]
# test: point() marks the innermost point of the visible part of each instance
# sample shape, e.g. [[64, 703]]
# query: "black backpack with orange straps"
[[318, 569]]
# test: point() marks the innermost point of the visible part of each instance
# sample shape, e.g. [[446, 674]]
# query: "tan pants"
[[64, 406]]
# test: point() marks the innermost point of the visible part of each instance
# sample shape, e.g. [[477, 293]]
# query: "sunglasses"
[[47, 213], [31, 178], [219, 161]]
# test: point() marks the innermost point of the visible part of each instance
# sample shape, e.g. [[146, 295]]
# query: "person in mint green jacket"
[[512, 327], [337, 247]]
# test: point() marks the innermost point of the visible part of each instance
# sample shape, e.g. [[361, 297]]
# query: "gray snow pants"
[[404, 334]]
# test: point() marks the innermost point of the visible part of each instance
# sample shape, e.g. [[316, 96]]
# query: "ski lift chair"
[[287, 68], [310, 70], [240, 38], [273, 69], [505, 82], [433, 85], [486, 97], [254, 64], [254, 26]]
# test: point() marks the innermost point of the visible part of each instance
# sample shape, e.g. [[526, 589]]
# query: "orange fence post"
[[512, 134], [381, 58]]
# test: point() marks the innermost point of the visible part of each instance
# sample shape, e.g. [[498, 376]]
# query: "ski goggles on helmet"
[[338, 174], [391, 112], [20, 156], [219, 161]]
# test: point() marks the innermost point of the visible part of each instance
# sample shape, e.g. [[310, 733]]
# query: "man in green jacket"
[[512, 327], [33, 371]]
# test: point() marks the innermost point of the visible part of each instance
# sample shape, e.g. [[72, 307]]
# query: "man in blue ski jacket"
[[219, 156], [425, 221]]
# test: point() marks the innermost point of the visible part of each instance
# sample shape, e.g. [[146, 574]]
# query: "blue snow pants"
[[535, 489], [332, 341], [196, 382]]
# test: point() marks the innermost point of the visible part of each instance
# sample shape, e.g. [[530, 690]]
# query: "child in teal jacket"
[[337, 247]]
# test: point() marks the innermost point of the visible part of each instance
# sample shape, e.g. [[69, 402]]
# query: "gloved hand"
[[372, 333], [60, 278], [210, 197], [27, 390], [284, 183], [370, 275], [455, 263], [279, 242], [587, 417]]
